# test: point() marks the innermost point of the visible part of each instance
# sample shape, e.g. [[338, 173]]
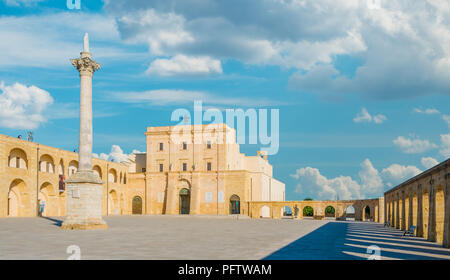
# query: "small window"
[[184, 166], [184, 146], [161, 167], [208, 145], [161, 146], [208, 166]]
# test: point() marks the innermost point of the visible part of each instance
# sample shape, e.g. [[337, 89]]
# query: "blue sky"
[[363, 90]]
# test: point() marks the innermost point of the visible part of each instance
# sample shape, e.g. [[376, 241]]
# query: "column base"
[[84, 202], [91, 224]]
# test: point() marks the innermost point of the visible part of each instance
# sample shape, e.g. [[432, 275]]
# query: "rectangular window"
[[161, 146], [184, 146], [161, 167], [208, 166], [184, 166], [208, 145]]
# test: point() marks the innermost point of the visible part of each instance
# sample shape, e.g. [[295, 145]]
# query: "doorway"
[[185, 201]]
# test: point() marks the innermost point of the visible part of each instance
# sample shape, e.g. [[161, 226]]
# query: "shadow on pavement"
[[350, 241]]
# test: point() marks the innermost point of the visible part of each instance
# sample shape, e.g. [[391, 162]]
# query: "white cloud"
[[51, 39], [413, 146], [184, 65], [396, 174], [17, 3], [372, 183], [116, 155], [428, 111], [307, 36], [428, 162], [22, 107], [446, 118], [312, 183], [162, 97], [364, 116], [445, 145]]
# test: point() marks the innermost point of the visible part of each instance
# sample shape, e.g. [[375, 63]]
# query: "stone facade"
[[423, 201], [30, 172]]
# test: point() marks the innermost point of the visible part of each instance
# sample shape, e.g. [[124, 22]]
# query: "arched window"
[[73, 167], [18, 159], [112, 176], [46, 164], [97, 170]]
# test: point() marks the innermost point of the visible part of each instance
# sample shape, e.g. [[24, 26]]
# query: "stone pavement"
[[209, 237]]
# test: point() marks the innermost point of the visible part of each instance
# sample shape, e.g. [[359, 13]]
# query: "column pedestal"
[[84, 202]]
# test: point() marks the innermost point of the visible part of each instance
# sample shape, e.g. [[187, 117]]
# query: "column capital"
[[85, 63]]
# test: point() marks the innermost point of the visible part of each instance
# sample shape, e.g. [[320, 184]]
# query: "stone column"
[[84, 188], [410, 209], [419, 229], [432, 214], [397, 210], [446, 240], [403, 225]]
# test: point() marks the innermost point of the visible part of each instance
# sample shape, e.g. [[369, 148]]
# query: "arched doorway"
[[113, 203], [185, 201], [265, 212], [308, 211], [330, 212], [19, 204], [366, 213], [286, 211], [13, 204], [137, 205], [350, 213], [235, 204]]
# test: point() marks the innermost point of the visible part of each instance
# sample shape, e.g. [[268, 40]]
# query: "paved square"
[[206, 237]]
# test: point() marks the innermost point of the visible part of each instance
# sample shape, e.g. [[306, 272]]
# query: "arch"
[[330, 211], [18, 159], [367, 213], [136, 205], [18, 199], [440, 213], [46, 197], [112, 175], [235, 204], [265, 211], [185, 201], [61, 167], [113, 203], [98, 170], [350, 212], [425, 212], [73, 167], [308, 211], [286, 211], [46, 164]]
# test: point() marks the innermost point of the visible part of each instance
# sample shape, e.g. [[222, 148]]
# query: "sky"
[[362, 87]]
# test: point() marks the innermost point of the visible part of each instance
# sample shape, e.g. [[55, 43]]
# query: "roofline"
[[440, 166]]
